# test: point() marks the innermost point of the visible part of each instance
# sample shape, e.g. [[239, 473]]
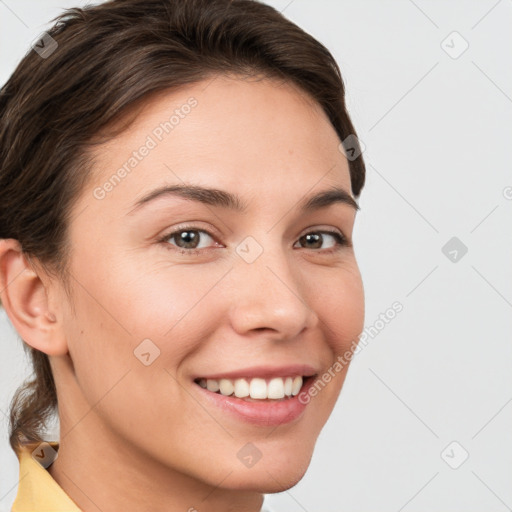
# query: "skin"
[[136, 437]]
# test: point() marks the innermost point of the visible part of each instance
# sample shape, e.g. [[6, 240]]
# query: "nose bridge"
[[268, 293]]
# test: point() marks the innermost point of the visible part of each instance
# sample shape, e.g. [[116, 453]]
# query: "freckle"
[[81, 332]]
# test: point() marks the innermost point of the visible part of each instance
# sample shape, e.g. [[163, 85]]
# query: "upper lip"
[[264, 372]]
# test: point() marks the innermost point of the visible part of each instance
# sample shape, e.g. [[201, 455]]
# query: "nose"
[[269, 295]]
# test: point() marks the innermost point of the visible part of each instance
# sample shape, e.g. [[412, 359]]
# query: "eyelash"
[[341, 241]]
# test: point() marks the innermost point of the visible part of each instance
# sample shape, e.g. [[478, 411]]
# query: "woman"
[[178, 185]]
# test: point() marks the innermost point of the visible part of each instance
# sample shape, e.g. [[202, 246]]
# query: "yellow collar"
[[37, 490]]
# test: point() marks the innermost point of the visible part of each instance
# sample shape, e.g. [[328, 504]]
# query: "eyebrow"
[[224, 199]]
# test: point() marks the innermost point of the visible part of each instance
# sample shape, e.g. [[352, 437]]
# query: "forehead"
[[229, 131]]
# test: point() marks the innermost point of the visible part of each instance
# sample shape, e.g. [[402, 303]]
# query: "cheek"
[[173, 303], [340, 306], [139, 314], [124, 366], [99, 347], [341, 310]]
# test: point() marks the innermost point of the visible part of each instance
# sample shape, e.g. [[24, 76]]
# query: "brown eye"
[[315, 240], [188, 240]]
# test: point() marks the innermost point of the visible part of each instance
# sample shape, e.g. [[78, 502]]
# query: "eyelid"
[[191, 227]]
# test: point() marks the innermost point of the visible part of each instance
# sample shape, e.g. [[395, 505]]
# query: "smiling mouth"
[[256, 389]]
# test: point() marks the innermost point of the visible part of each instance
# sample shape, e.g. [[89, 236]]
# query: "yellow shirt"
[[37, 490]]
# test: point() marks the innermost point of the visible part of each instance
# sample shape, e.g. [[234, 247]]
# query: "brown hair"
[[107, 58]]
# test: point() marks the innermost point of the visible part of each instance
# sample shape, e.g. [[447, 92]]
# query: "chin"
[[270, 478]]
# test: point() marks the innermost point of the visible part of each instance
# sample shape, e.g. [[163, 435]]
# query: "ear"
[[25, 299]]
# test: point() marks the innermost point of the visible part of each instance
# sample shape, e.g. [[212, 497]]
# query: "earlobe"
[[25, 299]]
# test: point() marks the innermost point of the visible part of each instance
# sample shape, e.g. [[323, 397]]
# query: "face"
[[171, 288]]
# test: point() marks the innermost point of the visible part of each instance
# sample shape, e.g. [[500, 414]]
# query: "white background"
[[438, 133]]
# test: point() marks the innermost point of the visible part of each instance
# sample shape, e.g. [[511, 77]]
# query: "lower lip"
[[263, 413]]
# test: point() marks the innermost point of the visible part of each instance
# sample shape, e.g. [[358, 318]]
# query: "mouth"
[[257, 389], [256, 406]]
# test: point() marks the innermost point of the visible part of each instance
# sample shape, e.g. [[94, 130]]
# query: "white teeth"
[[288, 386], [297, 384], [226, 387], [276, 388], [241, 388], [212, 385], [256, 388]]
